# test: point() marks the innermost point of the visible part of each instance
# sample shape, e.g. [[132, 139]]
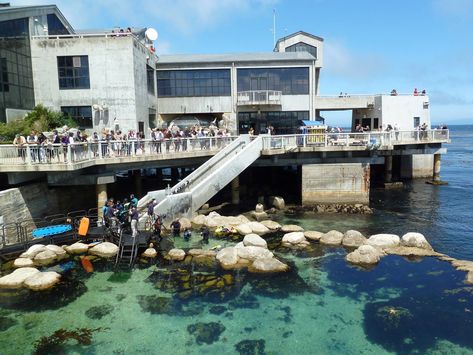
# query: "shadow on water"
[[411, 305]]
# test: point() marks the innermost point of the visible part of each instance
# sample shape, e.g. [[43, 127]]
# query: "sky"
[[371, 46]]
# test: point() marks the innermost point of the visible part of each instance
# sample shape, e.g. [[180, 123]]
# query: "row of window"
[[81, 114], [284, 122], [290, 81]]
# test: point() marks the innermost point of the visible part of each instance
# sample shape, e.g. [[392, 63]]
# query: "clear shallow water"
[[322, 306]]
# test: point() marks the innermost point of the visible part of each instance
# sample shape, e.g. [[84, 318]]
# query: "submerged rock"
[[353, 238], [411, 251], [98, 312], [416, 240], [469, 277], [332, 237], [384, 240], [176, 254], [254, 240], [313, 235], [17, 277], [207, 333], [288, 228], [200, 253], [271, 225], [364, 255], [42, 280], [267, 265], [104, 250], [250, 347]]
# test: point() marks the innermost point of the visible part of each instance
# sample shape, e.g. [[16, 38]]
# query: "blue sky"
[[371, 46]]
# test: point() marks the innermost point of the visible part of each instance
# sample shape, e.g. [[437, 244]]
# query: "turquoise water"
[[323, 305]]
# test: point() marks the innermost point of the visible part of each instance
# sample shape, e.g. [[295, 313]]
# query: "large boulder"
[[277, 202], [313, 235], [295, 240], [384, 240], [60, 252], [185, 223], [228, 257], [32, 251], [150, 252], [77, 248], [104, 250], [45, 257], [176, 254], [23, 262], [42, 280], [332, 237], [200, 253], [17, 277], [259, 216], [364, 255], [254, 240], [244, 229], [353, 238], [416, 240], [271, 225], [258, 228], [267, 265], [288, 228], [199, 220], [252, 253]]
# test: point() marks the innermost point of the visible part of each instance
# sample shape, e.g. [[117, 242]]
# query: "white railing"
[[108, 150], [259, 97], [370, 140]]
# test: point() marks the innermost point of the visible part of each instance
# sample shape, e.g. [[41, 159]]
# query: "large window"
[[284, 122], [302, 47], [204, 82], [290, 81], [4, 75], [73, 72], [14, 28], [81, 114], [150, 79], [55, 26]]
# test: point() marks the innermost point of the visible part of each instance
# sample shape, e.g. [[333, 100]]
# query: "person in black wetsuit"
[[187, 234], [176, 228], [205, 235]]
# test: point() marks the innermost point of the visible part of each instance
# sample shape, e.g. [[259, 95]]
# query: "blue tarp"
[[51, 230], [311, 123]]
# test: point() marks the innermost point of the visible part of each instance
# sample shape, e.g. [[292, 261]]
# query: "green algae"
[[207, 333], [98, 312], [251, 347]]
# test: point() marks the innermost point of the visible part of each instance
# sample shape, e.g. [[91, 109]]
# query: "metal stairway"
[[196, 189], [128, 249]]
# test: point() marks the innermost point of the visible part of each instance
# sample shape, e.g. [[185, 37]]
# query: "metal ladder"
[[127, 253]]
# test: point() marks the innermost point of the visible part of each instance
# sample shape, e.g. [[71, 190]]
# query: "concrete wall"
[[417, 166], [189, 105], [401, 110], [335, 183]]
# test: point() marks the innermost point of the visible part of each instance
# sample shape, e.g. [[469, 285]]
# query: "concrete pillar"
[[102, 198], [137, 183], [436, 175], [174, 176], [236, 191], [388, 168]]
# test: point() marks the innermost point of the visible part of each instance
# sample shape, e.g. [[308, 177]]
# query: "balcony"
[[259, 97]]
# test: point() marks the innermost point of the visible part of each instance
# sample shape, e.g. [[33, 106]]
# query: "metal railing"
[[370, 140], [259, 97], [107, 150]]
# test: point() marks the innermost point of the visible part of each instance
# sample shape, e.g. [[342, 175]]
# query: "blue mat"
[[51, 230]]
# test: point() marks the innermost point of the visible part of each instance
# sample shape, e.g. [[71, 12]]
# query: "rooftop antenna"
[[274, 27]]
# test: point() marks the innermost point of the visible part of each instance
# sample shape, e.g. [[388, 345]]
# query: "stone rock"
[[176, 254], [202, 253], [288, 228], [293, 238], [244, 229], [104, 250], [32, 251], [77, 248], [259, 208], [259, 216], [384, 240], [213, 214], [257, 228], [239, 245], [267, 265], [415, 240], [254, 240], [252, 253], [277, 202], [469, 278], [199, 220], [60, 252], [271, 225], [45, 257], [228, 257], [150, 253], [332, 237], [42, 280], [23, 262], [313, 235], [411, 251], [462, 265], [205, 206], [185, 223], [353, 238], [17, 277], [364, 255]]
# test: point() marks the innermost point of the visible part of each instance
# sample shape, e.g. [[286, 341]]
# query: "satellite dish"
[[151, 34]]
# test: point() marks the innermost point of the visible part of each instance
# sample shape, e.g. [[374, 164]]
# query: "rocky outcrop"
[[416, 240], [277, 202], [228, 258], [176, 254], [200, 253], [214, 220], [332, 237], [77, 248], [104, 250], [33, 250], [254, 240], [364, 255], [252, 227], [271, 225], [42, 280], [267, 265], [469, 278], [199, 220], [60, 252], [259, 216], [150, 252], [45, 257], [23, 262], [185, 223], [244, 229], [294, 240], [251, 253], [411, 251], [353, 238], [384, 240], [313, 235], [288, 228], [17, 277]]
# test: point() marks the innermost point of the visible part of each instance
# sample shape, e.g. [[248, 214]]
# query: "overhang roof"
[[296, 34]]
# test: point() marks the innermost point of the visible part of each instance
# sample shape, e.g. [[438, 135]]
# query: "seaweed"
[[6, 322], [206, 332], [98, 312], [250, 347]]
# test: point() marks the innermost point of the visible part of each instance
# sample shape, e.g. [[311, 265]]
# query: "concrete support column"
[[137, 183], [102, 198], [388, 168], [236, 191], [436, 175], [174, 176]]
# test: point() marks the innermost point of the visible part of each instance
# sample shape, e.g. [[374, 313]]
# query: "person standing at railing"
[[159, 141], [32, 141], [20, 143]]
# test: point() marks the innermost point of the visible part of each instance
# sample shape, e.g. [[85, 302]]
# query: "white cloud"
[[454, 8]]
